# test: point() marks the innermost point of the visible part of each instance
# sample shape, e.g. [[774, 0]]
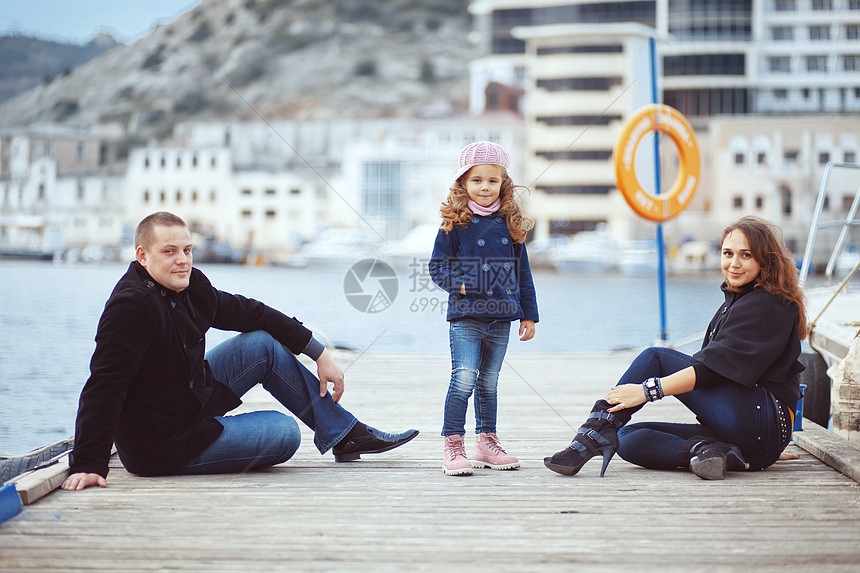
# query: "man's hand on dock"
[[79, 481], [329, 371]]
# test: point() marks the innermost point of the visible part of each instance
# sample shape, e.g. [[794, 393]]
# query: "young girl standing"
[[480, 259]]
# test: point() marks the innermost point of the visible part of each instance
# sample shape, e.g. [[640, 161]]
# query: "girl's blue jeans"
[[731, 413], [478, 349], [265, 438]]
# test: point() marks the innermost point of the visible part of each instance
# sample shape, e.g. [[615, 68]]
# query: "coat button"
[[507, 266], [507, 290], [490, 291], [474, 219], [485, 266], [481, 242], [504, 240]]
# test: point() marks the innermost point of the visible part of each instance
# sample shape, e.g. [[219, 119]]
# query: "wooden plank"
[[837, 347], [39, 482], [830, 448], [45, 478], [397, 511]]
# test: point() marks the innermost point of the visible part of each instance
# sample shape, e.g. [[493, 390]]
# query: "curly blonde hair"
[[455, 210]]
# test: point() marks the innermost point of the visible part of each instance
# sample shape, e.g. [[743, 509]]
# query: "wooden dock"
[[398, 512]]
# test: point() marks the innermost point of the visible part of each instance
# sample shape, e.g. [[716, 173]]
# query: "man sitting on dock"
[[154, 393]]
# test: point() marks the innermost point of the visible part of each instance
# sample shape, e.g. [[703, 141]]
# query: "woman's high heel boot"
[[598, 435], [709, 459]]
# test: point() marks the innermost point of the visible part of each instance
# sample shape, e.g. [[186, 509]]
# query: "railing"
[[846, 224]]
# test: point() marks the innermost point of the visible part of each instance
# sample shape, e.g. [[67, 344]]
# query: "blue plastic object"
[[798, 412], [10, 502]]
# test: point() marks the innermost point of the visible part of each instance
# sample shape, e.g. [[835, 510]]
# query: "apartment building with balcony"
[[583, 67]]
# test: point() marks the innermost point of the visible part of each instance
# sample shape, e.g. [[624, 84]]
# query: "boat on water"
[[413, 250], [695, 257], [336, 246], [26, 255], [847, 260], [833, 312], [540, 251], [639, 258], [588, 252], [595, 252]]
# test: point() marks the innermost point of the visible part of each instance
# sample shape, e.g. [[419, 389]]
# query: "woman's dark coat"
[[753, 339]]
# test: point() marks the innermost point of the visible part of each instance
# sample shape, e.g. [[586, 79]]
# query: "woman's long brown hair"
[[778, 273], [455, 210]]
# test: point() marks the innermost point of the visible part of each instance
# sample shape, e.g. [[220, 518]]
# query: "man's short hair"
[[143, 233]]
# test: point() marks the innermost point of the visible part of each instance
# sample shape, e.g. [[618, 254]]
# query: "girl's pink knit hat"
[[482, 153]]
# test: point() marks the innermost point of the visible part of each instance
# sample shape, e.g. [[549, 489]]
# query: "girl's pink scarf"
[[484, 211]]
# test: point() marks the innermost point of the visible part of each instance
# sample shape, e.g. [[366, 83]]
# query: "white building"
[[773, 168], [572, 121], [402, 178], [806, 57], [56, 193], [583, 65], [272, 187], [733, 56], [195, 184]]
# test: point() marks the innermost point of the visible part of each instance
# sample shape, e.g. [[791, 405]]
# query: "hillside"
[[299, 59], [29, 61]]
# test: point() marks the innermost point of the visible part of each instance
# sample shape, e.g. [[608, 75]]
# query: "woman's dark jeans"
[[731, 413]]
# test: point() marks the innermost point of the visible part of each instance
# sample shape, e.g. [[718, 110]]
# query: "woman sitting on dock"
[[742, 385]]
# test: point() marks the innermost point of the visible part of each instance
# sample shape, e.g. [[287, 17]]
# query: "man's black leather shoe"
[[369, 441]]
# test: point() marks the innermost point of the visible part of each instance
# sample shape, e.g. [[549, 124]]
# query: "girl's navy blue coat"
[[483, 256]]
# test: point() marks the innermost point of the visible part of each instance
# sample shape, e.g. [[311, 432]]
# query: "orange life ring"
[[662, 207]]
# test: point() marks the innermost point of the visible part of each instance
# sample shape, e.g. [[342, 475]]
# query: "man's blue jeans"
[[265, 438], [478, 349], [731, 413]]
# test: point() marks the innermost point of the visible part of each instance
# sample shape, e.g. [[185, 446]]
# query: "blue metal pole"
[[661, 264]]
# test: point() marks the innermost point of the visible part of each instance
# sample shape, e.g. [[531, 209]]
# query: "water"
[[49, 314]]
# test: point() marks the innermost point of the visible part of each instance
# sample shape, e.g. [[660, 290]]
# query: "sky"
[[78, 21]]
